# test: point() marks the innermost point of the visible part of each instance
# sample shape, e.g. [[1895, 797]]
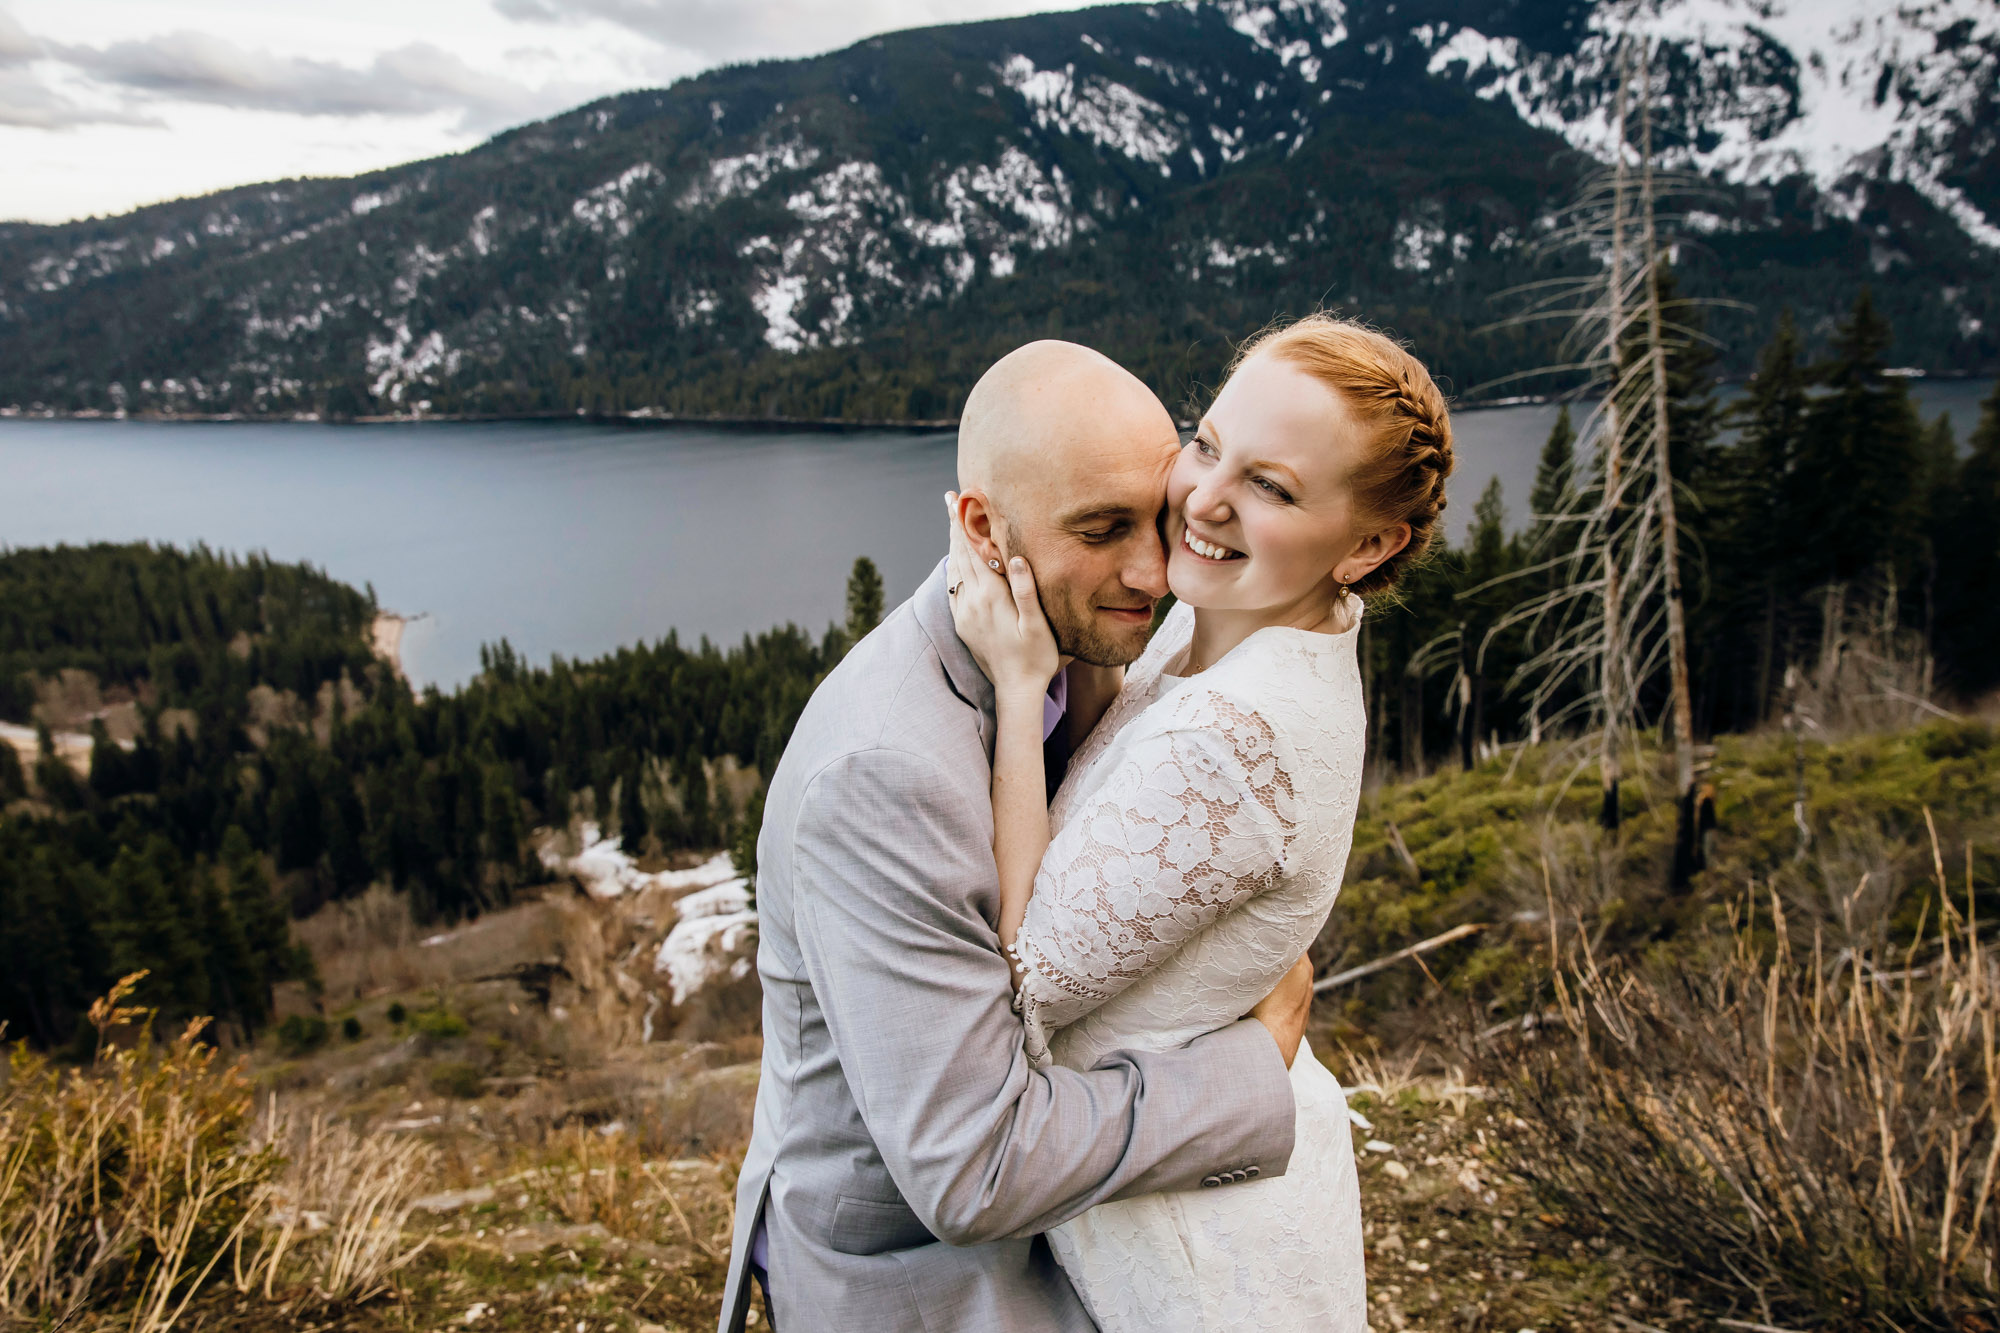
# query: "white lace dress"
[[1199, 840]]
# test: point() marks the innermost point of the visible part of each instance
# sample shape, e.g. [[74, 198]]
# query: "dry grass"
[[1807, 1133], [333, 1222], [585, 1176], [123, 1185]]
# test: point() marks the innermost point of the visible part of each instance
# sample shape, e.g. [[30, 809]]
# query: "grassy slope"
[[1482, 840]]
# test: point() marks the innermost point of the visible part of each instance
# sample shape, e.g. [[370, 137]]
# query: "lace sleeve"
[[1192, 822]]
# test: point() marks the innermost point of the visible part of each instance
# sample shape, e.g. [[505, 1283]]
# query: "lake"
[[573, 538]]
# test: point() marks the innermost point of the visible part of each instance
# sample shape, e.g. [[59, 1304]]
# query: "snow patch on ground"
[[404, 358], [604, 208], [747, 173], [713, 943], [606, 871], [1106, 113]]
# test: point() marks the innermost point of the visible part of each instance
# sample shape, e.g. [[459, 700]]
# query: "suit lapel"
[[968, 682]]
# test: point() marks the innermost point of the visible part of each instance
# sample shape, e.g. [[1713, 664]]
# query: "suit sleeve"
[[892, 875]]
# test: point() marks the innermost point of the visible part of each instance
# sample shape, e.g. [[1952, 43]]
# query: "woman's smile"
[[1215, 553]]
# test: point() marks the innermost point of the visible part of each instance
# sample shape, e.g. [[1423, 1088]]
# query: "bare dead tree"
[[1610, 617]]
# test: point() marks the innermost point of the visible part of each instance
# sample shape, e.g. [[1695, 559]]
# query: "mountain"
[[858, 234]]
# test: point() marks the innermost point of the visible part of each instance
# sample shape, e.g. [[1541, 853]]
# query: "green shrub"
[[302, 1033], [439, 1023], [456, 1078], [350, 1028], [398, 1015]]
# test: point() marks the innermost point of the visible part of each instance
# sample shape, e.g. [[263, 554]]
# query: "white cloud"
[[749, 29], [106, 105], [415, 79]]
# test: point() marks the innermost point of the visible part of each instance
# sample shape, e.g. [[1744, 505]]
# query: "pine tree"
[[13, 781], [1555, 472], [54, 778], [864, 599], [267, 937], [1968, 613], [632, 826], [1860, 466], [1759, 526]]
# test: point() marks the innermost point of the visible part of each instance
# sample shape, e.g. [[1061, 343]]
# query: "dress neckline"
[[1318, 641]]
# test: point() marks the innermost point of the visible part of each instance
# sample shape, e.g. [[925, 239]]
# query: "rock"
[[452, 1200], [1396, 1169], [712, 1109]]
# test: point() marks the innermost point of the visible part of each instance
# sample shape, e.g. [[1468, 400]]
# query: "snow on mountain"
[[1838, 90], [791, 208]]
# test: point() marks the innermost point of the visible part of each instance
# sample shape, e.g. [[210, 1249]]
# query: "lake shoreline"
[[647, 417]]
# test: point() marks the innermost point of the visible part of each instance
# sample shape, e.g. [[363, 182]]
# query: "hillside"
[[856, 235]]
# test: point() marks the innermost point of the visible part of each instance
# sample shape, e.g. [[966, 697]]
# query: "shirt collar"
[[1056, 703]]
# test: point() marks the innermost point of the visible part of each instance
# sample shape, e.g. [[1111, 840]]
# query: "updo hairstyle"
[[1409, 455]]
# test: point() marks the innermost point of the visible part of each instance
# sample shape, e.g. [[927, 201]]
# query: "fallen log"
[[1338, 979]]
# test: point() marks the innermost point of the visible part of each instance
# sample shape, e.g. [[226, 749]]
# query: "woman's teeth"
[[1209, 550]]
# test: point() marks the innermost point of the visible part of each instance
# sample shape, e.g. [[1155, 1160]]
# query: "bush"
[[398, 1015], [456, 1078], [1809, 1130], [302, 1033], [350, 1028], [439, 1023], [123, 1185]]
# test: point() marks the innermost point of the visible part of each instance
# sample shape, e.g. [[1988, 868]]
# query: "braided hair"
[[1402, 475]]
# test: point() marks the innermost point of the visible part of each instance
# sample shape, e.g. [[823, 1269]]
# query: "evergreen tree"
[[271, 955], [1554, 472], [864, 599], [108, 776], [1968, 612], [1860, 468], [13, 781], [149, 929], [54, 778], [632, 826], [1758, 526]]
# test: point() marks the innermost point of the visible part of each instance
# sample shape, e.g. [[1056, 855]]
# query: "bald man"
[[905, 1157]]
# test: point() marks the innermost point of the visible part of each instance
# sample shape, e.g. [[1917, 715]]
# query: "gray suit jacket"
[[905, 1156]]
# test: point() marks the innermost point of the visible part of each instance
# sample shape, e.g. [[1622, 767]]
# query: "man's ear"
[[981, 524], [1370, 552]]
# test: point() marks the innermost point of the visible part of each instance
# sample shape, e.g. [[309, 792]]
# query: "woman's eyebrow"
[[1294, 482]]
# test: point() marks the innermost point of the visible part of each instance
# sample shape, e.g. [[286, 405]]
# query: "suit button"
[[1239, 1175], [1251, 1172], [1210, 1182]]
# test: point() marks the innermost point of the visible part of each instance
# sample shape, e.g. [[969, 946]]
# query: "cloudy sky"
[[109, 104]]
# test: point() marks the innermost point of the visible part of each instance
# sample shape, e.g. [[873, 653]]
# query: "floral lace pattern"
[[1199, 841]]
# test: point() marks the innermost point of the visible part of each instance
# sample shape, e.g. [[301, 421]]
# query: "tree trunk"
[[1610, 677], [1687, 844]]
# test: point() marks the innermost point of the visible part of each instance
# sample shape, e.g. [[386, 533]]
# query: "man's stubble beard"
[[1078, 636], [1076, 631]]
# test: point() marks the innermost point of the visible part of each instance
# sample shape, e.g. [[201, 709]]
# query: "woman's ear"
[[977, 515], [1369, 553]]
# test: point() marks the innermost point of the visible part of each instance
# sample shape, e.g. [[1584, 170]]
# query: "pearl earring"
[[993, 564]]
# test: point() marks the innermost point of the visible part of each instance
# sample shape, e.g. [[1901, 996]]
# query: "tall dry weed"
[[333, 1222], [585, 1176], [123, 1185], [1810, 1133]]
